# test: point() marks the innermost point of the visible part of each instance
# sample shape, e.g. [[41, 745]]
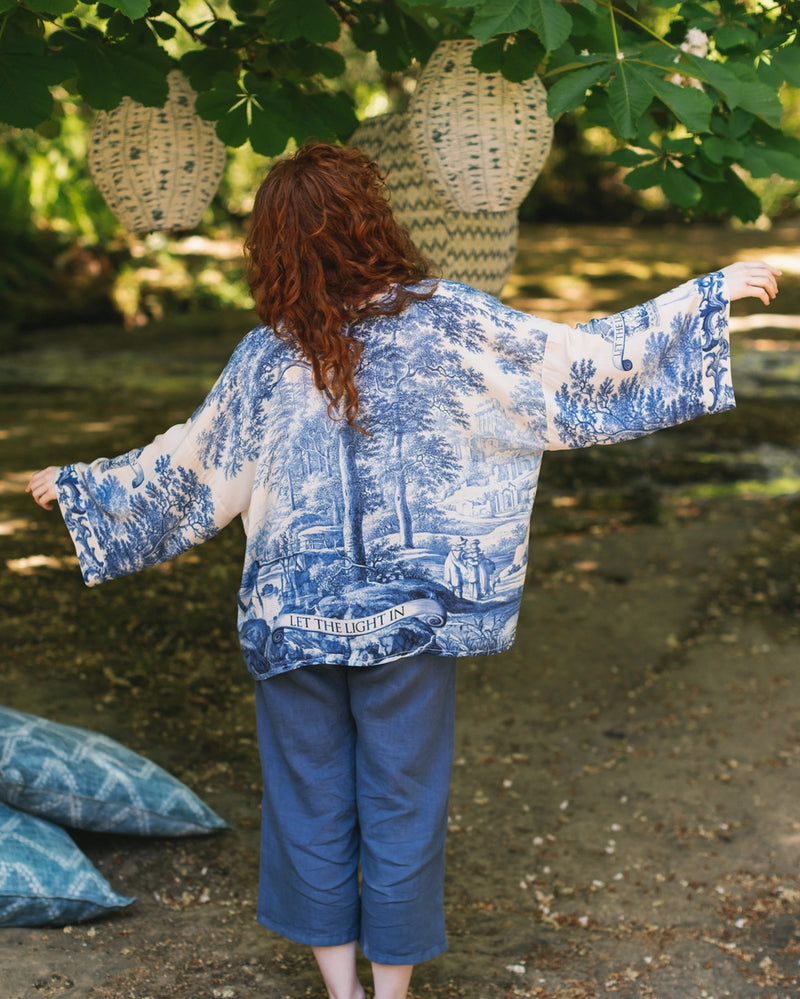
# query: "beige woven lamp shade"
[[158, 168], [481, 139], [477, 248]]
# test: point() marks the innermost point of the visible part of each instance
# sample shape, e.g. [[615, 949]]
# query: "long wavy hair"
[[324, 251]]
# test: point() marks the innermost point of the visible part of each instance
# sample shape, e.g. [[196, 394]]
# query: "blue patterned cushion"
[[85, 780], [44, 877]]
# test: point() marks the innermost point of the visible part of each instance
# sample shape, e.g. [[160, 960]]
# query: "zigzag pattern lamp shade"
[[158, 168], [482, 139], [477, 248]]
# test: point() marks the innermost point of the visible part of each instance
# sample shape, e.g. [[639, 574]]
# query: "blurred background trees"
[[648, 127]]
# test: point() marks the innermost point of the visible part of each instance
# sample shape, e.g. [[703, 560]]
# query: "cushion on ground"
[[85, 780], [44, 877]]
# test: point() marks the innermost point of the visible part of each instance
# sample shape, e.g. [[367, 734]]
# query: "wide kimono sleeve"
[[649, 367], [152, 503]]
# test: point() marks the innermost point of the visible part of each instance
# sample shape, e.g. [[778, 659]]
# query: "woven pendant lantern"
[[482, 139], [158, 168], [477, 248]]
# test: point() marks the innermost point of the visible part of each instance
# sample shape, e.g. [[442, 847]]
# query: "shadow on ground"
[[623, 808]]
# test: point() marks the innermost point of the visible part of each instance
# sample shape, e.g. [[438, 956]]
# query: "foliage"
[[698, 124]]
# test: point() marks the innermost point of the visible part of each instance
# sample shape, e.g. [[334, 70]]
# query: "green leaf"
[[762, 161], [25, 98], [569, 91], [763, 102], [327, 117], [690, 106], [720, 76], [56, 7], [679, 187], [552, 22], [787, 62], [216, 102], [643, 177], [627, 157], [734, 125], [403, 40], [522, 57], [200, 66], [741, 88], [217, 33], [308, 60], [132, 9], [628, 98], [718, 149], [233, 128], [500, 17], [310, 19], [489, 58], [392, 48], [271, 127], [731, 194], [731, 36], [133, 67], [685, 146], [163, 30]]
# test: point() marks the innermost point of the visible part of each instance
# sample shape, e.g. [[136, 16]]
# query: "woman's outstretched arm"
[[752, 279], [42, 486]]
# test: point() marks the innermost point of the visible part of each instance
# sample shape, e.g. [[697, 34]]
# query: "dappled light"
[[572, 273], [26, 566], [601, 780], [12, 526]]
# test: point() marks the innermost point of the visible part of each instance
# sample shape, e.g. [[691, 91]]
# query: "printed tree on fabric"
[[175, 511], [409, 534], [418, 388]]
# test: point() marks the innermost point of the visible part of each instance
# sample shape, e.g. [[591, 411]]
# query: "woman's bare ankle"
[[391, 980], [338, 968]]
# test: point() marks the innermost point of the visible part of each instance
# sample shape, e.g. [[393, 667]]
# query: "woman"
[[374, 423]]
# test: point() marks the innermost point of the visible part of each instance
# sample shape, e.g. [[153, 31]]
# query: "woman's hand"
[[752, 279], [42, 486]]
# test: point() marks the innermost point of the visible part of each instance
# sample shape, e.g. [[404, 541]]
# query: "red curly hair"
[[324, 251]]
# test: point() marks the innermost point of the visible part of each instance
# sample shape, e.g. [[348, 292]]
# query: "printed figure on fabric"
[[379, 557], [409, 532]]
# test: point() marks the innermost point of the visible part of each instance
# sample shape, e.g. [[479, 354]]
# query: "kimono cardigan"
[[366, 547]]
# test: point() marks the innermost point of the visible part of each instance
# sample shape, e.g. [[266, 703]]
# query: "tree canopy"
[[690, 91]]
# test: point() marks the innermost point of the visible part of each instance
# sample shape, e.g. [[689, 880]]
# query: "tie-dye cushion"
[[85, 780], [44, 877]]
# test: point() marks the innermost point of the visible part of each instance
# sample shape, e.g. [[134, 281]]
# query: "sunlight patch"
[[759, 321], [15, 482], [788, 262], [98, 428], [27, 566], [8, 527]]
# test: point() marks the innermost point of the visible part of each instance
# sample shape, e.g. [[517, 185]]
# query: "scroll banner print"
[[621, 362], [431, 611]]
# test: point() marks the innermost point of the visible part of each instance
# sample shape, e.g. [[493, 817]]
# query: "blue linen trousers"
[[357, 763]]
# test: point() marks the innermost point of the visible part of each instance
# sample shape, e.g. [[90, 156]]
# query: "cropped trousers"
[[357, 763]]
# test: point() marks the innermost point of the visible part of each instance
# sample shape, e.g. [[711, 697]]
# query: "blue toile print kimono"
[[367, 547]]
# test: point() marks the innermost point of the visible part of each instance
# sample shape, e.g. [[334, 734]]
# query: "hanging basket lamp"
[[477, 248], [158, 168], [482, 140]]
